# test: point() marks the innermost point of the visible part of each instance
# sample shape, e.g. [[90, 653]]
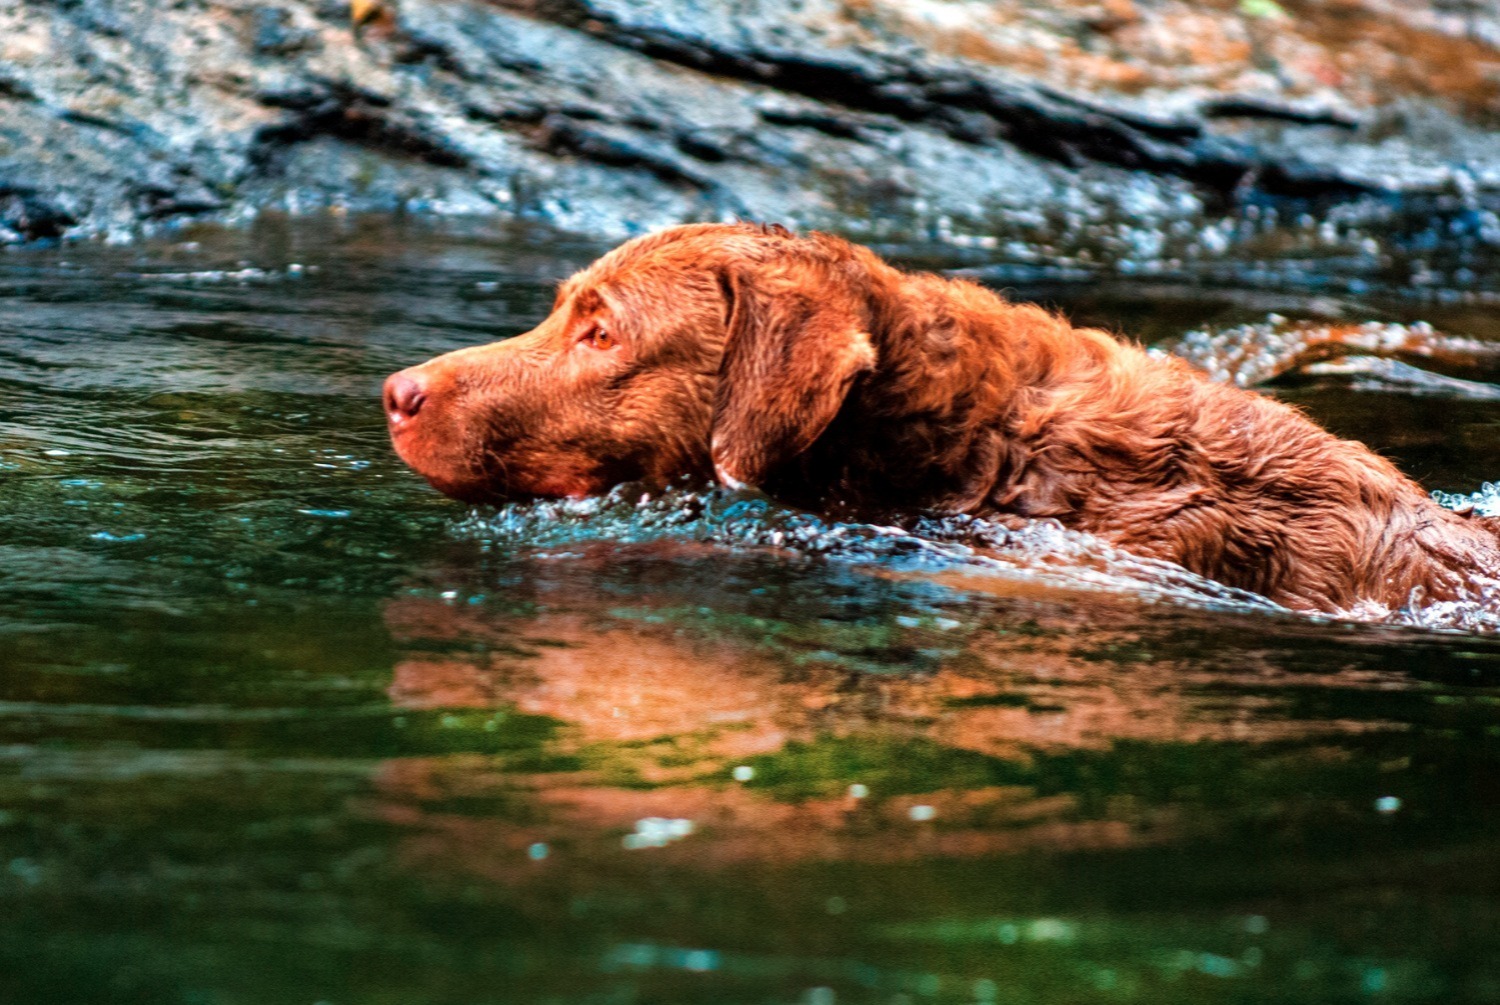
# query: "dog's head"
[[705, 348]]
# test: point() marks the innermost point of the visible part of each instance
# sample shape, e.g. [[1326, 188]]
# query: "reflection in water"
[[835, 731], [279, 724]]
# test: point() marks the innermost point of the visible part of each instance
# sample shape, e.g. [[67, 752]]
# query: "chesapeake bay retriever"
[[810, 368]]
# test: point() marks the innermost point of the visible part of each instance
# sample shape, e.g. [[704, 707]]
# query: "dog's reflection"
[[668, 675]]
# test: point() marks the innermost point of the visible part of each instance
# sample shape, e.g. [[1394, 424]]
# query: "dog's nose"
[[404, 396]]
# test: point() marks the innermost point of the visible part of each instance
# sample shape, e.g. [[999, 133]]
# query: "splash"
[[244, 275], [1479, 613], [1247, 355], [1485, 502], [1042, 553]]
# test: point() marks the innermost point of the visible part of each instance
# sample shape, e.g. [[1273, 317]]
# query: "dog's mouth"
[[495, 483], [411, 439]]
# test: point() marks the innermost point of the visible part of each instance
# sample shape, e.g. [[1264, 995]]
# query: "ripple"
[[1042, 552], [1252, 354]]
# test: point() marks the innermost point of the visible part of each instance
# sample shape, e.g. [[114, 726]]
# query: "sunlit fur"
[[810, 368]]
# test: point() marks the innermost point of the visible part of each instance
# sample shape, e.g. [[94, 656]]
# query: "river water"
[[280, 724]]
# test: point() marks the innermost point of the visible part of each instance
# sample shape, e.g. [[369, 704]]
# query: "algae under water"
[[280, 724]]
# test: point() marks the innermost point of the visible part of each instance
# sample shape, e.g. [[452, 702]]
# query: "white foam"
[[1040, 552]]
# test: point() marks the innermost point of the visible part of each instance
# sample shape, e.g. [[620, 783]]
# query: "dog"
[[811, 369]]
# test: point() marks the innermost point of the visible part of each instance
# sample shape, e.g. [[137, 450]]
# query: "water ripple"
[[1042, 552]]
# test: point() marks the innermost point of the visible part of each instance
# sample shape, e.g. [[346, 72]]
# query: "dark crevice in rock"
[[1155, 126], [560, 135], [560, 131], [701, 147], [415, 49], [157, 202], [1258, 108], [16, 89], [28, 214], [320, 91], [844, 127], [99, 122], [584, 113], [518, 114], [353, 115]]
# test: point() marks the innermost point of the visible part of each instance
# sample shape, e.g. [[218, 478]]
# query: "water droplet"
[[700, 961], [657, 832], [25, 870], [1050, 930]]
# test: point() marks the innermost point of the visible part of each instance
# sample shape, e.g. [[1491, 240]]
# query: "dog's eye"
[[598, 338]]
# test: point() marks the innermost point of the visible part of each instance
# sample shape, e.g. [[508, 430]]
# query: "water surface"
[[279, 724]]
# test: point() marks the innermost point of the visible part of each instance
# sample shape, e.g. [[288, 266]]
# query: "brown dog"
[[812, 369]]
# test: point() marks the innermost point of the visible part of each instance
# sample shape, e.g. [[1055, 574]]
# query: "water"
[[279, 724]]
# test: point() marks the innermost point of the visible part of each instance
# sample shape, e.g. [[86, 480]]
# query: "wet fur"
[[809, 367]]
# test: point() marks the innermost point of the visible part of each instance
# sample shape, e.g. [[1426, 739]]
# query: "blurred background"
[[1049, 130]]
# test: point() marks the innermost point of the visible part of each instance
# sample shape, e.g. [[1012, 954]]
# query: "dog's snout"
[[404, 395]]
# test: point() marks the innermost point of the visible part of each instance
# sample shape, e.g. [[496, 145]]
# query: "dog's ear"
[[795, 346]]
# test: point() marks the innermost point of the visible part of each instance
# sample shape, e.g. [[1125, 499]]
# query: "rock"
[[1106, 131]]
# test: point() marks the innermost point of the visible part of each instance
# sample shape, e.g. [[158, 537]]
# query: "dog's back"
[[983, 406]]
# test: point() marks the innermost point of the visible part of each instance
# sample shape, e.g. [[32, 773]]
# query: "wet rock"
[[1081, 131], [276, 33]]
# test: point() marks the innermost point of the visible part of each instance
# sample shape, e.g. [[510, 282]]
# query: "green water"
[[279, 724]]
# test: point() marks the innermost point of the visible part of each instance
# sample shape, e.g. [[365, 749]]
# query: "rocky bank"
[[1138, 132]]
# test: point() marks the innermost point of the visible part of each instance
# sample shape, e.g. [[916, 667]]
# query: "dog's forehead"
[[669, 267], [588, 299], [661, 276], [690, 247], [648, 258]]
